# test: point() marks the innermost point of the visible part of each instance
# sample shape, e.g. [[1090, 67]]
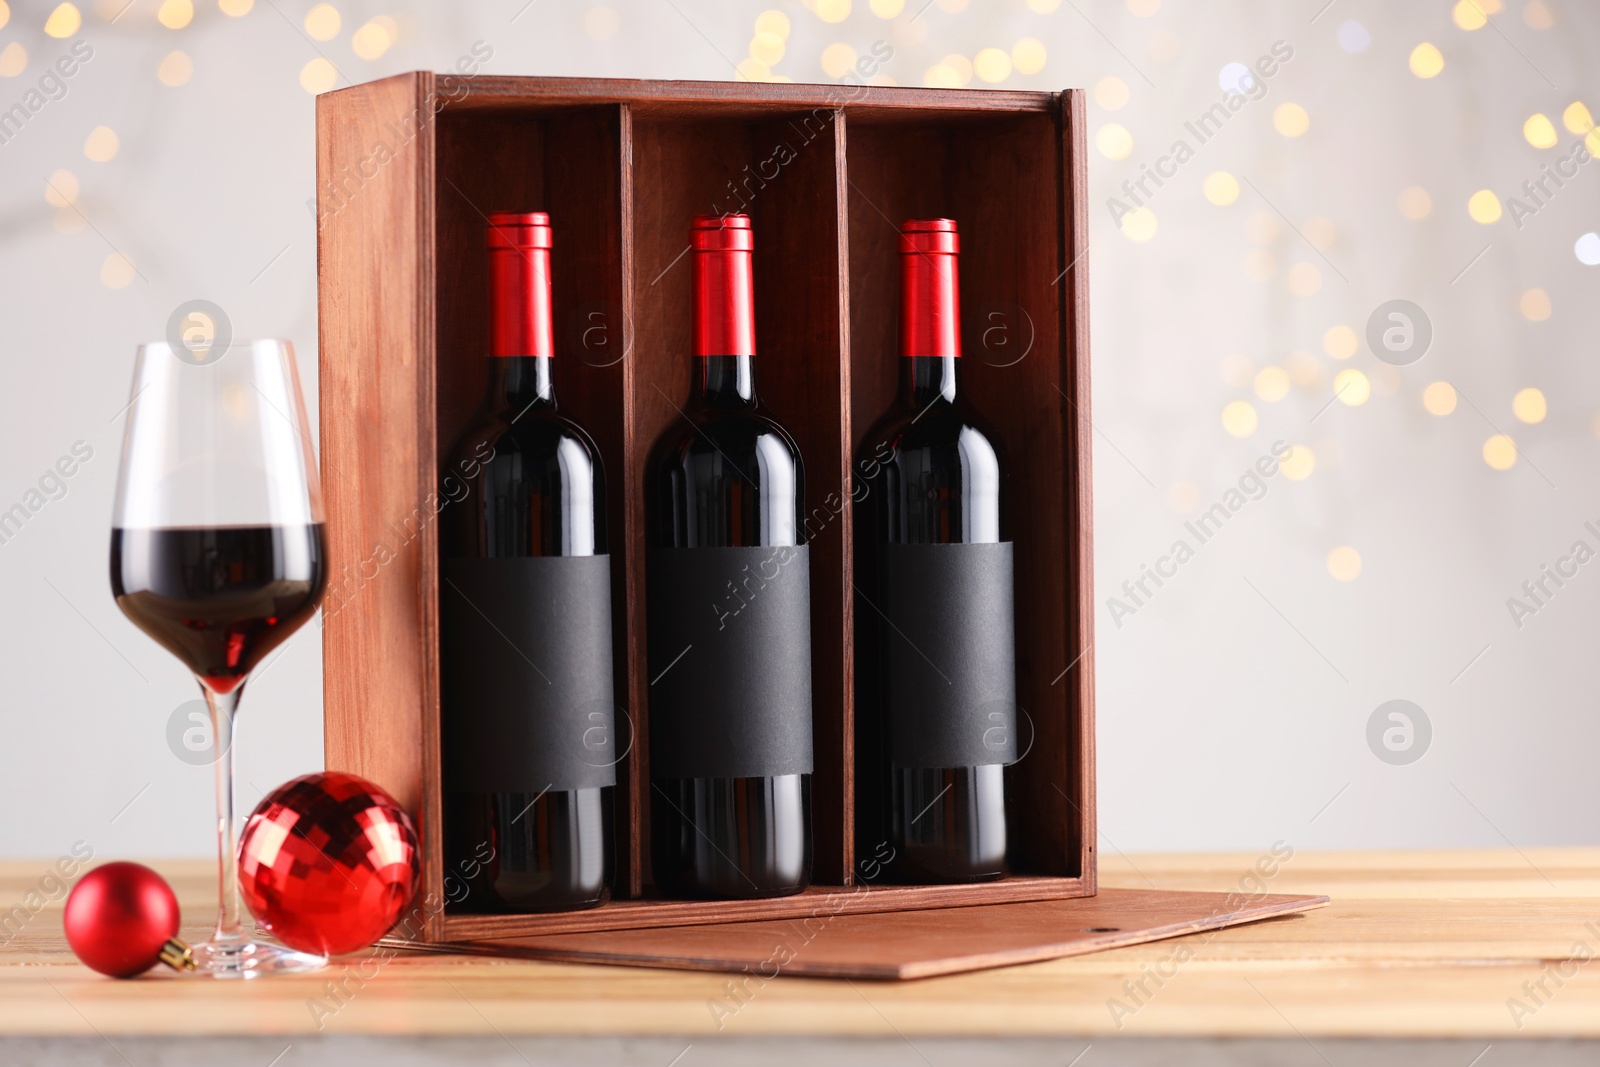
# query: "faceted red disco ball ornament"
[[328, 862]]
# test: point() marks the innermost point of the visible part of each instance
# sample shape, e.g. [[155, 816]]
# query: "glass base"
[[251, 958]]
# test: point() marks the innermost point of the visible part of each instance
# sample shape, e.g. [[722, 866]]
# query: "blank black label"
[[950, 654], [730, 662], [527, 674]]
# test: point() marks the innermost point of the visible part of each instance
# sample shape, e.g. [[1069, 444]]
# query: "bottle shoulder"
[[710, 430], [536, 431], [530, 487], [932, 477], [724, 479], [938, 427]]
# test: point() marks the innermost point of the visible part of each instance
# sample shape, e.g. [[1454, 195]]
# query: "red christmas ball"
[[327, 863], [119, 917]]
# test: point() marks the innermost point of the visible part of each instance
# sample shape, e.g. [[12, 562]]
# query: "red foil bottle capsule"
[[519, 284], [930, 300], [724, 297]]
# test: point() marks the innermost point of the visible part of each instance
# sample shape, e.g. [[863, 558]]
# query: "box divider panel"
[[631, 805], [1080, 784]]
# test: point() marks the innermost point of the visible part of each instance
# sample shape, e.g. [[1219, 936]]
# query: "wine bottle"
[[936, 684], [729, 612], [525, 606]]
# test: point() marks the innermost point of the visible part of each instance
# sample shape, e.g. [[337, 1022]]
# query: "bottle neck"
[[521, 342], [726, 381], [927, 380], [518, 381], [724, 325], [930, 320]]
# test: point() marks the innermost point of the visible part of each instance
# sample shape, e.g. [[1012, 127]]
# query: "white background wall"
[[1234, 704]]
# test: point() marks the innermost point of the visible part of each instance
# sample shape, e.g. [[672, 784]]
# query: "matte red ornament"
[[328, 862], [122, 919]]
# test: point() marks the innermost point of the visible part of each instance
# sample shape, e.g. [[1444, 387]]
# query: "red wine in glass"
[[218, 553], [219, 598]]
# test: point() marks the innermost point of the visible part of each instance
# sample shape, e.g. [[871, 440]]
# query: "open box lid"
[[905, 944]]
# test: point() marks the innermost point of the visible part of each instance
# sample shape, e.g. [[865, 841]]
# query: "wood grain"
[[1079, 790], [818, 899], [1001, 181], [375, 332], [903, 945], [621, 166], [784, 173], [1414, 944], [751, 100], [567, 162], [633, 807], [1015, 371]]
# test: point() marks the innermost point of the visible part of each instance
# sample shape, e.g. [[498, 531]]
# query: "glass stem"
[[223, 706]]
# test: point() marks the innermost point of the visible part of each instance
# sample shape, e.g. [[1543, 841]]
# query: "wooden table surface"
[[1415, 944]]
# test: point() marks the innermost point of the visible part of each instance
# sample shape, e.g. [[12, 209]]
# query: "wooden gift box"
[[407, 169]]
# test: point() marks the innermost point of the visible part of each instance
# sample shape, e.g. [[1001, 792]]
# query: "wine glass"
[[218, 553]]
